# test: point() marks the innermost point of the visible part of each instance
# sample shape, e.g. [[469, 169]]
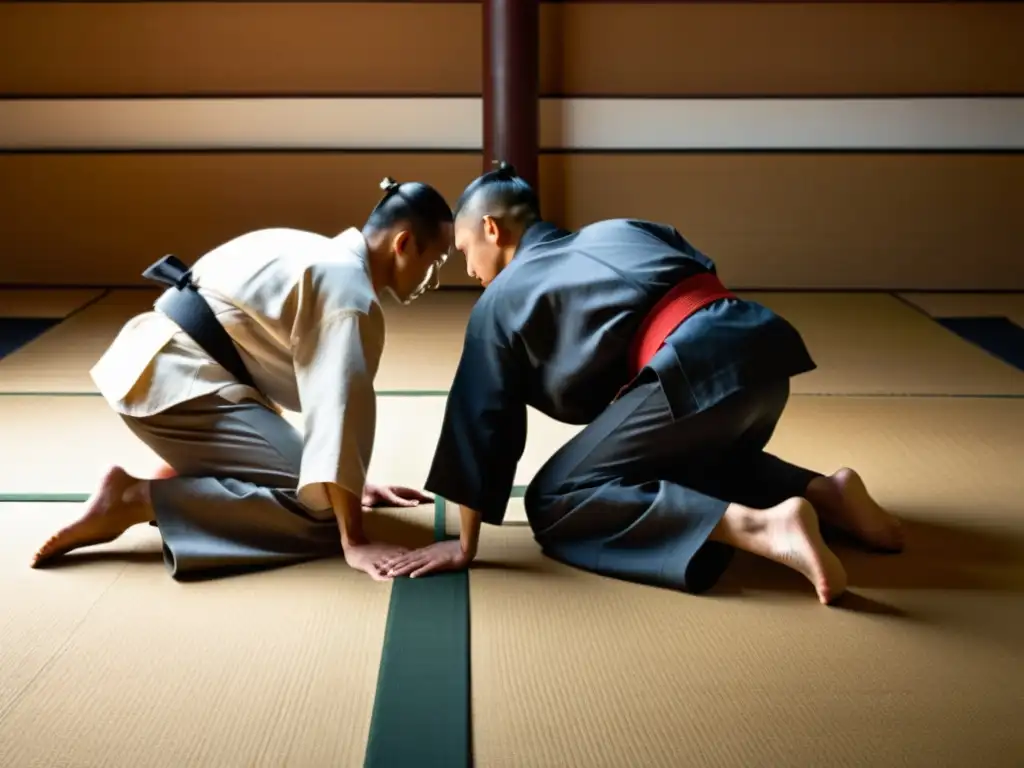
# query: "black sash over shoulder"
[[183, 304]]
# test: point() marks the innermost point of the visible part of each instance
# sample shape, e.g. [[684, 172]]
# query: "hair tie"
[[506, 170], [389, 185]]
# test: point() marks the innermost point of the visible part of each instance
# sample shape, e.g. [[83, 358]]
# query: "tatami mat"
[[48, 303], [1008, 305], [62, 445], [865, 344], [105, 661], [874, 344], [920, 667], [59, 360]]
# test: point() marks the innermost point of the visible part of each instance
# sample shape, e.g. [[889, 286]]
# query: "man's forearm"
[[348, 508], [469, 531]]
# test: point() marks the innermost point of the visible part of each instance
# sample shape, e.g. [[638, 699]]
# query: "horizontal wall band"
[[758, 124], [355, 123], [455, 124], [586, 48]]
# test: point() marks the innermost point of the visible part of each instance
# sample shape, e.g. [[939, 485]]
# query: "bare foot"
[[795, 540], [789, 535], [843, 501], [119, 503]]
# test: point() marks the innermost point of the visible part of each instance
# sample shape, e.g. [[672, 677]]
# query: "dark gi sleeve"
[[484, 430]]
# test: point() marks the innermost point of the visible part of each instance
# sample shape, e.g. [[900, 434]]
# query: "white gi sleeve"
[[335, 362]]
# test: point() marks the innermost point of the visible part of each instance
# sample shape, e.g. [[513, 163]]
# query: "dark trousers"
[[636, 494]]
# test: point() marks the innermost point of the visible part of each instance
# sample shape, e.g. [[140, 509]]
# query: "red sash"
[[676, 306]]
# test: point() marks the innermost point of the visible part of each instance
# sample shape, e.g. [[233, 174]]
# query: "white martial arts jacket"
[[308, 324]]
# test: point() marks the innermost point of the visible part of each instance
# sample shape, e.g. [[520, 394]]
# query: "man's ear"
[[400, 242], [492, 230]]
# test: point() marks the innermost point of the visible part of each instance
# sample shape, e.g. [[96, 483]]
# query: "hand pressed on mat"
[[372, 558], [392, 496], [439, 556], [360, 553]]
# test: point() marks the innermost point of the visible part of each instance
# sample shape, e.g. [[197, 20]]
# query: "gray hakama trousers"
[[636, 494], [233, 506]]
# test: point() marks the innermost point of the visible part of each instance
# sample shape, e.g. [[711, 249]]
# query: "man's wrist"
[[469, 531], [350, 541], [468, 548], [348, 511]]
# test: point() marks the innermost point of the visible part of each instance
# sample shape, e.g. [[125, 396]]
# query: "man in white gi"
[[304, 325]]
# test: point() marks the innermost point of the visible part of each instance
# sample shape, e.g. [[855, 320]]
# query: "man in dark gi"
[[623, 326]]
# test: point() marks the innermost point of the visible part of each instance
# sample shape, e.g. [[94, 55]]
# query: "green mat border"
[[422, 710]]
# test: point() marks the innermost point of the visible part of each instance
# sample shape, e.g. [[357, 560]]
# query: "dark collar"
[[540, 232]]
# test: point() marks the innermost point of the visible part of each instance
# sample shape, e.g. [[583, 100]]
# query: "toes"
[[45, 552]]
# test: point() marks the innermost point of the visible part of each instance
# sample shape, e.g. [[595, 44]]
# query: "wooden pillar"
[[512, 85]]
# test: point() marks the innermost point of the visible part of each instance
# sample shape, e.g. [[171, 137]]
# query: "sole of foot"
[[105, 517], [795, 540]]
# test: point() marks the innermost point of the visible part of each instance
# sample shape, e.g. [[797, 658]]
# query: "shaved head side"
[[417, 205], [502, 195], [491, 216]]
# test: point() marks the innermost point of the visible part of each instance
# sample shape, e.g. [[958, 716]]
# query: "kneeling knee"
[[540, 501]]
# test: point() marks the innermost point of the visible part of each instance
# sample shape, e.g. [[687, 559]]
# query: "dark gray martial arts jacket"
[[553, 331]]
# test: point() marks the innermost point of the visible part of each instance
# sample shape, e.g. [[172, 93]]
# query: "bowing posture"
[[624, 327], [277, 318]]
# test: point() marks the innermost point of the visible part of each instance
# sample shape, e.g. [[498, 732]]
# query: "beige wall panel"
[[100, 219], [239, 48], [820, 220], [750, 49]]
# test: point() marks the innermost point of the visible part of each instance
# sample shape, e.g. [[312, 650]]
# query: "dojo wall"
[[803, 145]]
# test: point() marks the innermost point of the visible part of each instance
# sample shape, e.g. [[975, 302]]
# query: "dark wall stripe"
[[421, 715]]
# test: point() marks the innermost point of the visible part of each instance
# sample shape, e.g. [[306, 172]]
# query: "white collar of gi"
[[352, 240]]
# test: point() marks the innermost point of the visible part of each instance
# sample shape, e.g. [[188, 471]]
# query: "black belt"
[[186, 307]]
